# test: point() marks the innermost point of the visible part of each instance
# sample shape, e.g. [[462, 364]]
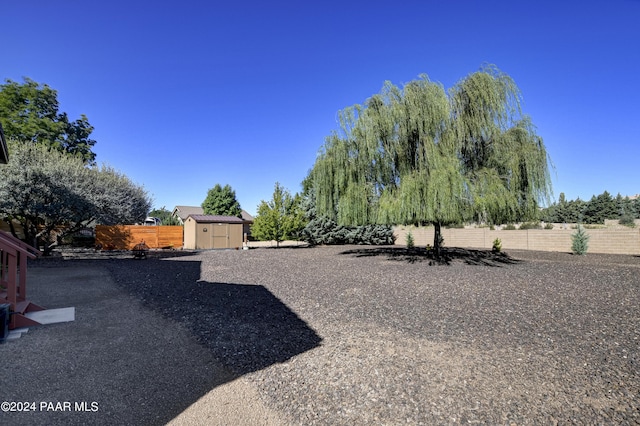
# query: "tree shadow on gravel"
[[245, 326], [448, 255]]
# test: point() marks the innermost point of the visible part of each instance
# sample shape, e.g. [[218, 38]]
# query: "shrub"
[[510, 227], [409, 240], [530, 225], [627, 220], [322, 230], [580, 241], [497, 246], [455, 226], [548, 226]]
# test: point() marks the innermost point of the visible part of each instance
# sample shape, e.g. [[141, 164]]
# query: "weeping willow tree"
[[422, 154]]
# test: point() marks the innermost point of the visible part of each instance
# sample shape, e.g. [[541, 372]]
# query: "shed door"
[[219, 235]]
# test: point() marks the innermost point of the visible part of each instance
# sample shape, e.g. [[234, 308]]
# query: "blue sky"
[[184, 95]]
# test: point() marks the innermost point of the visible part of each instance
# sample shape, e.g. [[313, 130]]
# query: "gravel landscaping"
[[367, 335]]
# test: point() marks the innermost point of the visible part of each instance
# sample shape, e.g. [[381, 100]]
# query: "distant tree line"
[[594, 211]]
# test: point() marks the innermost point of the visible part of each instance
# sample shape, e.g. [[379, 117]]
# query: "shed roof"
[[206, 218], [183, 212]]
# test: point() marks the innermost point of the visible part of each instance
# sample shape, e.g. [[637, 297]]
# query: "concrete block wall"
[[610, 241]]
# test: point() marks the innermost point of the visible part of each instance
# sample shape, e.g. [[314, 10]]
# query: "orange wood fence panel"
[[125, 237]]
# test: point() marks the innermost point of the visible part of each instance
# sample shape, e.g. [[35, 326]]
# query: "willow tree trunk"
[[437, 239]]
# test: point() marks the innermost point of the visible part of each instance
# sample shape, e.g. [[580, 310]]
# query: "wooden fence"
[[125, 237]]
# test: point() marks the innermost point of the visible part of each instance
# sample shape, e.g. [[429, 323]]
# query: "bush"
[[627, 220], [548, 226], [580, 241], [409, 240], [497, 246], [322, 230], [455, 226], [510, 227], [530, 225]]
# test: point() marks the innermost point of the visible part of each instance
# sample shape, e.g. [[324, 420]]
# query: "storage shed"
[[212, 232]]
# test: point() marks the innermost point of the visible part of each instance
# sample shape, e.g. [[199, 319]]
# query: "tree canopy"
[[222, 201], [166, 216], [53, 194], [30, 113], [422, 154]]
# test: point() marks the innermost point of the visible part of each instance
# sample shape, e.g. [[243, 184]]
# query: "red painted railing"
[[13, 278]]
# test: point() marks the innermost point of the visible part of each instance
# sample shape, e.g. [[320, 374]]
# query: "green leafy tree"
[[166, 217], [279, 219], [53, 194], [30, 113], [222, 201], [421, 154]]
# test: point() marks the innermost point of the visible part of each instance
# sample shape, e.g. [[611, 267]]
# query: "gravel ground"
[[362, 335]]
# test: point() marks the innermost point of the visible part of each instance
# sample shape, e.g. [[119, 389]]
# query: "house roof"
[[246, 216], [207, 218], [4, 152], [184, 212]]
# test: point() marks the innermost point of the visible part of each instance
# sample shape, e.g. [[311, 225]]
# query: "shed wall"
[[204, 236], [189, 234]]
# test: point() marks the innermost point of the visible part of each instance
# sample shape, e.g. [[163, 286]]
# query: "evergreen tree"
[[222, 201], [580, 241], [599, 208], [577, 209], [563, 215], [635, 208]]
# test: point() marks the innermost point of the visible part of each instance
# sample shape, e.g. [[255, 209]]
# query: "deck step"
[[52, 316]]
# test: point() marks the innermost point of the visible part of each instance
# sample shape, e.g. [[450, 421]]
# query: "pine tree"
[[580, 241]]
